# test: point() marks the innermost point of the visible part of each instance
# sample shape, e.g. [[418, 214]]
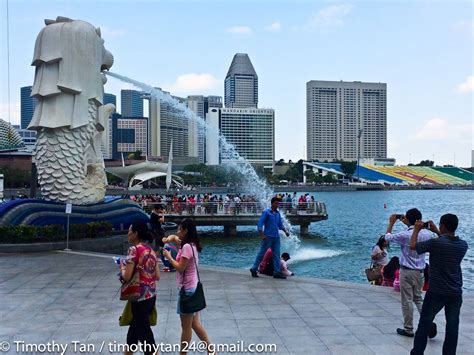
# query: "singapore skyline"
[[426, 66]]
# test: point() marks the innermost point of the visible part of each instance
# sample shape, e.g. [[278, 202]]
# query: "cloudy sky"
[[421, 49]]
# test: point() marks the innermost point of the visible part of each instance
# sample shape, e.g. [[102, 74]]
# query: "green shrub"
[[52, 233]]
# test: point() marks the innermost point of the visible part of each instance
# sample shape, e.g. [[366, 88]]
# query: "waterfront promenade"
[[69, 297]]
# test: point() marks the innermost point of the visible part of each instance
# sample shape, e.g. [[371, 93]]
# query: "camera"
[[426, 225], [399, 216]]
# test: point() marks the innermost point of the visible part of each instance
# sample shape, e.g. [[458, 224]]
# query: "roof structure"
[[241, 65], [9, 137]]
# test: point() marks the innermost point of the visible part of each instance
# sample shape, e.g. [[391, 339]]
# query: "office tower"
[[252, 132], [28, 105], [200, 105], [241, 83], [166, 124], [129, 134], [110, 99], [131, 103], [346, 120]]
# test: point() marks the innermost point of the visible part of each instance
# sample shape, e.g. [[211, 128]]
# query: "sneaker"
[[433, 331], [279, 276], [253, 272], [403, 332]]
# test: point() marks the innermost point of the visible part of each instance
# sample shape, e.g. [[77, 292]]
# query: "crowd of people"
[[224, 203], [411, 275]]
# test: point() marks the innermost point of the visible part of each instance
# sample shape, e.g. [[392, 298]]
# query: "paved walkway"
[[73, 297]]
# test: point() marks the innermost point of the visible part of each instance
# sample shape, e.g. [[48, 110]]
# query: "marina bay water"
[[339, 247]]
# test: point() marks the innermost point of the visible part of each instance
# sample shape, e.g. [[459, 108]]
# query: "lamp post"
[[359, 135]]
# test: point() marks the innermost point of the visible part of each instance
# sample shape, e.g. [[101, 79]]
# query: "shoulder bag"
[[196, 302], [373, 273]]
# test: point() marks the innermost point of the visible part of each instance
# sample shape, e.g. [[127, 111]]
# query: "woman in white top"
[[379, 252]]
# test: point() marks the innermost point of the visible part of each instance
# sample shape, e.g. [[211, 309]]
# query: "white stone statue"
[[70, 116]]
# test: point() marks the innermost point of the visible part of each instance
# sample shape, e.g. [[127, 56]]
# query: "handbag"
[[373, 273], [127, 316], [195, 302], [131, 290]]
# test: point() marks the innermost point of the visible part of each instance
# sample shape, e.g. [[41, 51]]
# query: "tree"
[[426, 162], [348, 168], [137, 155], [310, 175], [329, 178]]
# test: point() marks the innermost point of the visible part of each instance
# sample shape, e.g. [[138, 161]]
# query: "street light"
[[359, 135]]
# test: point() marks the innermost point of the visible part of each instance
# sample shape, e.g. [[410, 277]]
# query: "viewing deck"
[[235, 214]]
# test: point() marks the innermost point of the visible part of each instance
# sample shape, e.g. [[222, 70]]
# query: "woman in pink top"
[[186, 276]]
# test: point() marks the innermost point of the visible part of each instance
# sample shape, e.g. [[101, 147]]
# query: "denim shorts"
[[188, 292]]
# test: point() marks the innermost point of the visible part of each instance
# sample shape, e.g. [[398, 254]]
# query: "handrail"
[[234, 208]]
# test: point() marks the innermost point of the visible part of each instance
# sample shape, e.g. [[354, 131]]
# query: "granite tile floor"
[[73, 297]]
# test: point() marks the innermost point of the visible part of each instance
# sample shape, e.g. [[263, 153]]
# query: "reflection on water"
[[339, 248]]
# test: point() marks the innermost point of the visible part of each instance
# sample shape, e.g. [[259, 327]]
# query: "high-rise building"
[[131, 103], [251, 131], [241, 83], [28, 105], [110, 99], [346, 120], [200, 105], [129, 134], [167, 123]]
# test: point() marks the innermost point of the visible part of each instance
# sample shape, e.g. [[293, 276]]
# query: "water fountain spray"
[[255, 185]]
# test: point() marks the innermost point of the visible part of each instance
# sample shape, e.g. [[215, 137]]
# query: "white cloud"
[[193, 84], [441, 129], [328, 17], [15, 115], [274, 27], [467, 86], [240, 30]]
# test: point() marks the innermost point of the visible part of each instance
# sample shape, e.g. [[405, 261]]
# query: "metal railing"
[[234, 208]]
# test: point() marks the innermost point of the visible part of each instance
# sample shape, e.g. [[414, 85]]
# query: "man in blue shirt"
[[269, 226], [445, 290]]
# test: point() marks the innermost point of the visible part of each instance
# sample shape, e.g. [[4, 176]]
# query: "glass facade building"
[[131, 103], [28, 105], [241, 83]]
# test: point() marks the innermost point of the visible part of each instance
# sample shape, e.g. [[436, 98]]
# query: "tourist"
[[389, 271], [269, 225], [266, 265], [171, 244], [156, 218], [411, 267], [446, 254], [283, 265], [141, 258], [186, 264], [379, 256]]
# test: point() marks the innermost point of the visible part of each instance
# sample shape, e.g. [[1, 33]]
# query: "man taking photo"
[[446, 254]]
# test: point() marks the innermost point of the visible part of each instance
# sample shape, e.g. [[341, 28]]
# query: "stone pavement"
[[69, 297]]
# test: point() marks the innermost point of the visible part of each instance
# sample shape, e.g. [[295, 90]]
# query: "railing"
[[234, 208]]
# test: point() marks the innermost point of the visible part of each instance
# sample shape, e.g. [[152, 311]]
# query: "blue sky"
[[422, 49]]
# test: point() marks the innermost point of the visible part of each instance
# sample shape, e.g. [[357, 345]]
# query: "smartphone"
[[426, 225], [399, 216]]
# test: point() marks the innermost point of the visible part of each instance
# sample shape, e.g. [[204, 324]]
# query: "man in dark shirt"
[[445, 290]]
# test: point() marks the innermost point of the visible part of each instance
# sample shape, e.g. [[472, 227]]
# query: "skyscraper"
[[250, 130], [200, 105], [241, 83], [131, 103], [110, 99], [28, 105], [129, 134], [346, 120]]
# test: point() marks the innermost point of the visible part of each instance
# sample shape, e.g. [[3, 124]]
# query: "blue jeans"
[[274, 244], [432, 304]]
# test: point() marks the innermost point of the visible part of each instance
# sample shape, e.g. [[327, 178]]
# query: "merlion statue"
[[70, 116]]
